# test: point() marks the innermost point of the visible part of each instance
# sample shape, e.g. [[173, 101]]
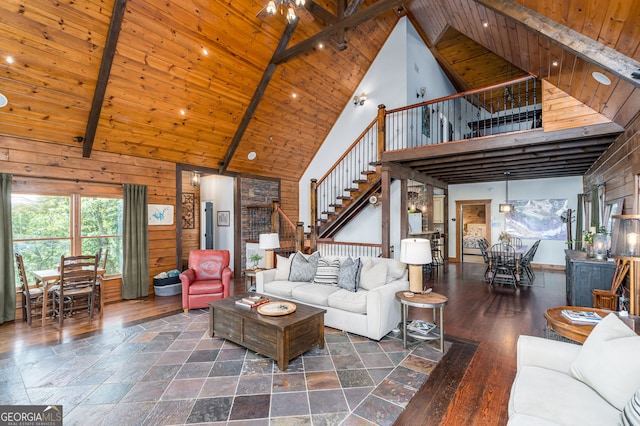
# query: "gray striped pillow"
[[630, 415], [327, 272]]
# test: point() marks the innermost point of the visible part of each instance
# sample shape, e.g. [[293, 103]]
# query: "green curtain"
[[595, 208], [135, 243], [579, 222], [7, 271]]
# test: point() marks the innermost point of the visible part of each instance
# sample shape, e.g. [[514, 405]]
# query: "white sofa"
[[560, 383], [371, 313]]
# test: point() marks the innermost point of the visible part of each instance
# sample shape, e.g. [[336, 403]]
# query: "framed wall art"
[[188, 214], [160, 214], [224, 218]]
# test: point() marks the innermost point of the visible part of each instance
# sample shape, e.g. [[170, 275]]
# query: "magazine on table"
[[419, 326], [586, 317], [252, 301]]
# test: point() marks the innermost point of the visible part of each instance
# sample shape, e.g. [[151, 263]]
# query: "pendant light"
[[506, 207]]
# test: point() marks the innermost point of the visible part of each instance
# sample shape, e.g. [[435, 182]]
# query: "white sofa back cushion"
[[283, 267], [372, 274], [606, 361]]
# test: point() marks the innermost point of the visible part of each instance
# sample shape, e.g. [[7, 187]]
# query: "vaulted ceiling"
[[204, 82]]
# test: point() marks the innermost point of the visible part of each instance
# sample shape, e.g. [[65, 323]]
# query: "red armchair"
[[207, 278]]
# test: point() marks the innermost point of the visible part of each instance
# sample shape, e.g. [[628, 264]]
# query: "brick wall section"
[[254, 192]]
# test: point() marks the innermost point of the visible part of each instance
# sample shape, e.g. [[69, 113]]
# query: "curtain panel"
[[7, 270], [135, 243]]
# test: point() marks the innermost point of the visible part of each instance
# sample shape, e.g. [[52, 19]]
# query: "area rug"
[[168, 371]]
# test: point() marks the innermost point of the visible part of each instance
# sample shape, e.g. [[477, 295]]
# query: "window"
[[43, 229]]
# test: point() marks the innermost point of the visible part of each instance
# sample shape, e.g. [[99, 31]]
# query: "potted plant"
[[255, 258]]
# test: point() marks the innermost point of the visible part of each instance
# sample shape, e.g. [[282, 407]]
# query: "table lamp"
[[268, 242], [625, 245], [415, 252]]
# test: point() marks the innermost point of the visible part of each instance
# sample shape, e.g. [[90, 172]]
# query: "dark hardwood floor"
[[493, 318]]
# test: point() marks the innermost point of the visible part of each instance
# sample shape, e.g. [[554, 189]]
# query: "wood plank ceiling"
[[184, 72]]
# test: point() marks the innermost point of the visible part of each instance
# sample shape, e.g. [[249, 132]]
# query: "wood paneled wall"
[[190, 237], [40, 166], [289, 199], [562, 111], [618, 168]]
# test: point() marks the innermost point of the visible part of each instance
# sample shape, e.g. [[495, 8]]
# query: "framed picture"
[[188, 201], [224, 218], [160, 214]]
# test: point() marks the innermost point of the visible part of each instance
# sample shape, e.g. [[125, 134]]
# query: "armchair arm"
[[263, 277], [383, 309], [547, 353], [186, 277], [226, 281]]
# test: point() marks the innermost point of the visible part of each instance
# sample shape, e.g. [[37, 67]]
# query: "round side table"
[[429, 300]]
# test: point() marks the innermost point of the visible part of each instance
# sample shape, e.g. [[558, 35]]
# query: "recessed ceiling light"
[[251, 156], [485, 24], [205, 52], [554, 63], [294, 95], [601, 78], [320, 46], [183, 112], [9, 59], [3, 100]]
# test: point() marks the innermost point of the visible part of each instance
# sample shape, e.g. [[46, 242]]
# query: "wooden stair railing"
[[272, 219]]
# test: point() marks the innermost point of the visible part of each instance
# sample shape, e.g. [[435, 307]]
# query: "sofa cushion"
[[557, 397], [630, 415], [282, 288], [372, 274], [604, 361], [395, 270], [283, 267], [327, 272], [315, 294], [349, 301], [349, 274], [303, 268]]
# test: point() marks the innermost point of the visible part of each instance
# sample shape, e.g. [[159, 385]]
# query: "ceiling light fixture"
[[554, 63], [9, 59], [601, 78], [3, 101], [281, 5], [506, 207], [252, 155], [359, 100]]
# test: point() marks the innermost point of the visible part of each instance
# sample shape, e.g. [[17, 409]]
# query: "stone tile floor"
[[170, 372]]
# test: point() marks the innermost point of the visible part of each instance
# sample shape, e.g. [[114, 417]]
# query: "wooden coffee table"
[[566, 328], [281, 338]]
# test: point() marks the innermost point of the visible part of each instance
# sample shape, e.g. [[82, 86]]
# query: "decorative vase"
[[588, 247]]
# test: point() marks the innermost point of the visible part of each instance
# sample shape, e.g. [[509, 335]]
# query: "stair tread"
[[335, 205], [360, 181], [368, 172], [344, 197], [352, 189]]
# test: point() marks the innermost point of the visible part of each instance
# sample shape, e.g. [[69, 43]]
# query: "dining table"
[[519, 252], [46, 278]]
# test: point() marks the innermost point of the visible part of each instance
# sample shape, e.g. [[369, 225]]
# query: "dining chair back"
[[525, 263], [76, 292], [515, 242], [32, 297], [503, 265], [484, 246]]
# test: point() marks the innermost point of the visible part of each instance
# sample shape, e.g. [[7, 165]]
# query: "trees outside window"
[[43, 228]]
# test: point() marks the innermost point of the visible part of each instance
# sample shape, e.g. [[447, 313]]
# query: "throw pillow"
[[348, 275], [372, 274], [303, 268], [630, 415], [283, 267], [604, 362], [327, 272], [395, 270]]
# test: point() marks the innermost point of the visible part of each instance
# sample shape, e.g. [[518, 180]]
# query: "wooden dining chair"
[[102, 264], [504, 265], [76, 292], [32, 298]]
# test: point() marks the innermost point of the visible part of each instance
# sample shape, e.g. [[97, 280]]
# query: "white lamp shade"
[[415, 251], [269, 241]]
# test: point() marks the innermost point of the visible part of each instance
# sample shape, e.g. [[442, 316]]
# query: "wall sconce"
[[359, 100], [421, 92], [195, 179]]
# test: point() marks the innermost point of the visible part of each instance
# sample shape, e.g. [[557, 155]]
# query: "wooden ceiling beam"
[[257, 96], [108, 54], [353, 7], [580, 45], [320, 13], [397, 171], [352, 21]]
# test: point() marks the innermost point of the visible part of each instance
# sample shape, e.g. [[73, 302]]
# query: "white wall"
[[404, 54], [219, 190], [550, 252]]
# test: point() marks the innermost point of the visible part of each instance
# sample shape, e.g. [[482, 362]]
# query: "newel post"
[[381, 130], [300, 237], [275, 219], [313, 197]]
